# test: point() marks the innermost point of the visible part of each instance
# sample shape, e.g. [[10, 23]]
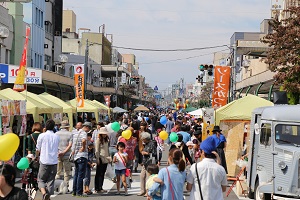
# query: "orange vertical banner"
[[79, 84], [20, 80], [221, 86]]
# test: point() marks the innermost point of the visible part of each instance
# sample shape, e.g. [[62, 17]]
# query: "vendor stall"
[[234, 119], [66, 107], [89, 107], [33, 106]]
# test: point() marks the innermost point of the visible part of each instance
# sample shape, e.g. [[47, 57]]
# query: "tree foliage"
[[206, 91], [284, 55]]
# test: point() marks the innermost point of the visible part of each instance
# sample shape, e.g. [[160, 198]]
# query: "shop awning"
[[102, 106], [33, 106]]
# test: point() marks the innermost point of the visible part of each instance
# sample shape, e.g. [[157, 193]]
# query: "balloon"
[[163, 120], [115, 126], [163, 135], [173, 137], [126, 134], [108, 128], [23, 163], [9, 144]]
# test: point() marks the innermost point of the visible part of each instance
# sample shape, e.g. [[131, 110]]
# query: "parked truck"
[[273, 170]]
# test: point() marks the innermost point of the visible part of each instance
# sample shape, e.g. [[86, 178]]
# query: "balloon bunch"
[[113, 127], [178, 106], [164, 135]]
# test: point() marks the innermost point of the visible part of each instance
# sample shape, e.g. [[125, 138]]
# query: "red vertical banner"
[[221, 86], [79, 84], [20, 80], [107, 100]]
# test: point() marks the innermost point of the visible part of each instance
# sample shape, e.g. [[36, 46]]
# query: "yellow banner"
[[20, 80]]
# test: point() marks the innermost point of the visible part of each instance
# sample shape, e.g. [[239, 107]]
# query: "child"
[[120, 159], [191, 149], [160, 147], [152, 170], [90, 165]]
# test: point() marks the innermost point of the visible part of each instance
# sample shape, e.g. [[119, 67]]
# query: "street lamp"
[[4, 33]]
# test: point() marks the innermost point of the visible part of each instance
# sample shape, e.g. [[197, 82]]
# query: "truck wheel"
[[260, 196]]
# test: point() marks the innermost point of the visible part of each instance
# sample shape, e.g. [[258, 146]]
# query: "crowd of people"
[[57, 147]]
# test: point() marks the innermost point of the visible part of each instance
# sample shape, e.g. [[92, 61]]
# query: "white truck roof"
[[286, 113]]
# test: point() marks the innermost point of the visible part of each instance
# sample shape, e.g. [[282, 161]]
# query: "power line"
[[160, 50], [179, 59], [165, 50]]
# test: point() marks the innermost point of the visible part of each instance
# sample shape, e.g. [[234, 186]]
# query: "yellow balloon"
[[126, 134], [163, 135], [9, 144]]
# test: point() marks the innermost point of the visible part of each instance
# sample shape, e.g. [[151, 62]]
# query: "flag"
[[79, 84], [221, 86], [21, 72]]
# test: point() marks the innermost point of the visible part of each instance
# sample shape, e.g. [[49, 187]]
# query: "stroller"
[[29, 179]]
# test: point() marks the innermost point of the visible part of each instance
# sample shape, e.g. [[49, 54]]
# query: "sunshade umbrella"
[[141, 108]]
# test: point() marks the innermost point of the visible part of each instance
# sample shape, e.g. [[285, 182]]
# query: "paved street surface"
[[111, 188]]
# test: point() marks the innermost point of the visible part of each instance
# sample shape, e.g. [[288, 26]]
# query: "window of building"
[[265, 135]]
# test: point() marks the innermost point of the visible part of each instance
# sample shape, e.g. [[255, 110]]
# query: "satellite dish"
[[256, 129]]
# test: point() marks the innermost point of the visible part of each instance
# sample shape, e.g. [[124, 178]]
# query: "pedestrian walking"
[[169, 127], [172, 177], [79, 150], [47, 149], [32, 138], [220, 141], [207, 179], [90, 165], [149, 153], [102, 159], [64, 148], [120, 159]]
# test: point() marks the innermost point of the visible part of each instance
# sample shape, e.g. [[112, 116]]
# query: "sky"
[[171, 24]]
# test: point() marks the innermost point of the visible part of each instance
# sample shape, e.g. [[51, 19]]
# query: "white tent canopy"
[[196, 113], [119, 110]]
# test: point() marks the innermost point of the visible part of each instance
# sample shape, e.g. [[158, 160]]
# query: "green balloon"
[[23, 163], [173, 137], [115, 126]]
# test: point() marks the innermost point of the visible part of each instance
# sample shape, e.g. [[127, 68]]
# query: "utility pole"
[[86, 62], [233, 79], [116, 89]]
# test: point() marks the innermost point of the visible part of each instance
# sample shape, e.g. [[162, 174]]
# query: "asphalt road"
[[111, 188]]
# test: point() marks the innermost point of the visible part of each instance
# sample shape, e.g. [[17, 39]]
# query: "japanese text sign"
[[221, 86], [79, 84]]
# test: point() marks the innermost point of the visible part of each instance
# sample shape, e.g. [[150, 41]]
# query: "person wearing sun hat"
[[102, 159], [220, 141], [212, 176]]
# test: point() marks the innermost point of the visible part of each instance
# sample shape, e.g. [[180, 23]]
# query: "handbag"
[[127, 171], [198, 181], [171, 185], [72, 155]]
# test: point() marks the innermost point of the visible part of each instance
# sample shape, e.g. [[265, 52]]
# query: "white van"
[[274, 155]]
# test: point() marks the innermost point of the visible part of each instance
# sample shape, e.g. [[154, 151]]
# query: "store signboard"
[[9, 74]]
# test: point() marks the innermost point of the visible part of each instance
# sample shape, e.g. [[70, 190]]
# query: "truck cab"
[[273, 170]]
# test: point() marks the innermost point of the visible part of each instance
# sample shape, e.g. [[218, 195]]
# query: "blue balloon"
[[163, 120]]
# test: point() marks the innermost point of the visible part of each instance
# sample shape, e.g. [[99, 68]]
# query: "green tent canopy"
[[241, 109], [190, 109]]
